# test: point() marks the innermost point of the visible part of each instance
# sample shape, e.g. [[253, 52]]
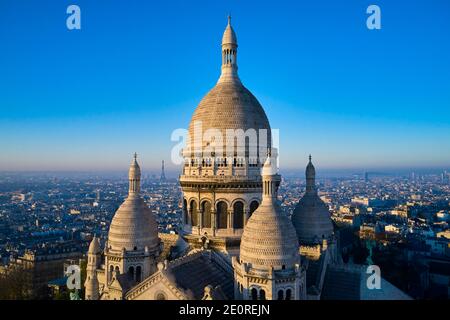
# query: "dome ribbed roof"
[[311, 219], [269, 239], [229, 105], [134, 226]]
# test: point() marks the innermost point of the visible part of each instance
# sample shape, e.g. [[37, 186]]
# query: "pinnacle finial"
[[135, 156], [269, 152], [229, 19], [310, 158]]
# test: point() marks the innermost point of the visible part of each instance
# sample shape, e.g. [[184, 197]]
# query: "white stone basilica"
[[235, 242]]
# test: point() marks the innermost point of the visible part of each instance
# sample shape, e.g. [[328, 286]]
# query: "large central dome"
[[229, 105], [229, 137]]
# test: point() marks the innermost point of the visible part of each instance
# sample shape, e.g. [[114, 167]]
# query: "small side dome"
[[269, 239], [94, 246], [133, 226], [311, 217], [312, 221]]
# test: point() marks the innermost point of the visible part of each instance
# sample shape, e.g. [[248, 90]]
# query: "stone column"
[[200, 220], [230, 218], [213, 221]]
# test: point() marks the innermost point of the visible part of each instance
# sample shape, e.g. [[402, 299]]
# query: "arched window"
[[222, 215], [117, 270], [138, 273], [238, 212], [288, 294], [280, 294], [253, 206], [111, 270], [131, 272], [262, 295], [206, 214], [194, 213], [185, 212], [254, 294]]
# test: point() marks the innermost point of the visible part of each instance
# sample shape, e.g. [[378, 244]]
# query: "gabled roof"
[[188, 277]]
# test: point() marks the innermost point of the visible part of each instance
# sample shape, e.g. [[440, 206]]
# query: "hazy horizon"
[[352, 97]]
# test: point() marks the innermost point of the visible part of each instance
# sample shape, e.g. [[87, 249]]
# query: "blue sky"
[[354, 98]]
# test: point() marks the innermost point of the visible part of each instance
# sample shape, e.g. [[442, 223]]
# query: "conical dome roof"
[[269, 238], [229, 36], [134, 226], [94, 246], [311, 217]]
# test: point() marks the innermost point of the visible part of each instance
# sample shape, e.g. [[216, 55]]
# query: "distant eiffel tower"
[[163, 175]]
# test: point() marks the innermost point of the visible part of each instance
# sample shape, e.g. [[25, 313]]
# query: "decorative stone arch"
[[239, 199], [222, 200], [222, 213], [205, 208]]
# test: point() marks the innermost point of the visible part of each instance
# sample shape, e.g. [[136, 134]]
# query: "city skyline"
[[354, 98], [315, 167]]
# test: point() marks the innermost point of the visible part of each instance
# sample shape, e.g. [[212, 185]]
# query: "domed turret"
[[229, 36], [269, 238], [134, 226], [311, 217], [94, 259], [94, 246]]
